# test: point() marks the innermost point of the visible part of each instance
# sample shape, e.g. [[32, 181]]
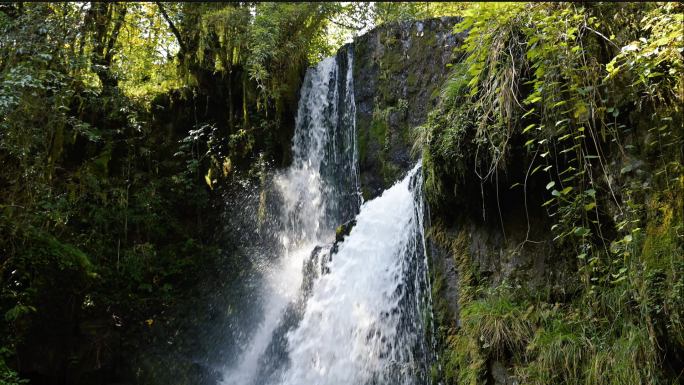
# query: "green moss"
[[405, 134], [363, 147], [414, 82], [435, 91], [344, 230], [395, 63], [660, 240], [392, 63], [388, 97], [364, 192], [412, 79], [390, 172], [378, 131]]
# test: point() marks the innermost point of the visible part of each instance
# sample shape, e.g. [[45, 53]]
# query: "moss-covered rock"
[[341, 233], [344, 230], [397, 70]]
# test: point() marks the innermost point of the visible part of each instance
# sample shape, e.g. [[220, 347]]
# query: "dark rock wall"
[[398, 72]]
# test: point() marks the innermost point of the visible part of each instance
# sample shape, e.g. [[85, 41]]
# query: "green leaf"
[[591, 192], [581, 231], [590, 206], [529, 142], [619, 279], [528, 128], [566, 190], [551, 184], [625, 170], [535, 170], [515, 185], [555, 193], [581, 256]]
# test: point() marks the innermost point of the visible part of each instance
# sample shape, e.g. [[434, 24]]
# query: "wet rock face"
[[344, 230], [509, 242], [500, 374], [398, 71]]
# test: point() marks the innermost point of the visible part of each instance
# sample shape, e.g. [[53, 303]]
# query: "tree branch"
[[114, 36], [175, 31], [346, 26]]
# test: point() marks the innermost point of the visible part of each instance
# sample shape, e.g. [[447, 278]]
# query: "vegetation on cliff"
[[581, 104]]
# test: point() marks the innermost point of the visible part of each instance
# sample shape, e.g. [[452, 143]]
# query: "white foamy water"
[[360, 323], [282, 284]]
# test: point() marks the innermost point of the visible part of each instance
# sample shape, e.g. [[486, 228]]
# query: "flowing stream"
[[350, 312]]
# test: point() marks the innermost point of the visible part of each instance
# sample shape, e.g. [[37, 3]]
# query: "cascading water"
[[363, 321], [355, 313], [319, 191]]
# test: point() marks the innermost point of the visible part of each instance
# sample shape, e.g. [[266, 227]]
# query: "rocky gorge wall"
[[398, 76], [487, 235], [398, 72]]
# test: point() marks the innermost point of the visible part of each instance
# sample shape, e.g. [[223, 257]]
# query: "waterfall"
[[321, 188], [352, 312], [363, 321]]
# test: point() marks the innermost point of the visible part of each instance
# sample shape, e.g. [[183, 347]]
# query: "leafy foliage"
[[99, 220], [548, 81]]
